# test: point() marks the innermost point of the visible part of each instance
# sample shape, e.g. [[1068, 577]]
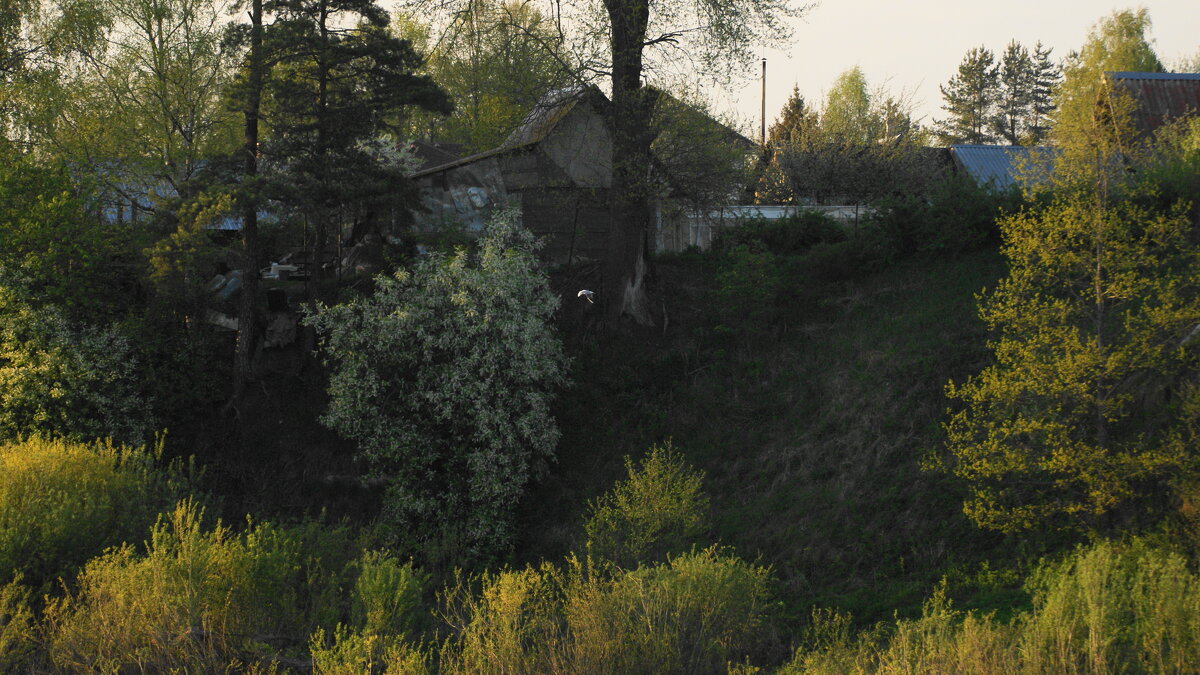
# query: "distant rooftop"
[[1161, 97], [999, 166]]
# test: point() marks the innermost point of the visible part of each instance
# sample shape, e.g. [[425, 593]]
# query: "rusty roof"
[[1160, 97]]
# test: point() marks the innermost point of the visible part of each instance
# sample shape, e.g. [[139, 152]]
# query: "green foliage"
[[443, 377], [61, 503], [957, 215], [864, 144], [789, 235], [659, 510], [54, 239], [747, 282], [18, 636], [354, 653], [1114, 608], [1088, 406], [61, 379], [1092, 118], [694, 614], [970, 97], [1108, 608], [195, 599], [496, 60], [387, 596]]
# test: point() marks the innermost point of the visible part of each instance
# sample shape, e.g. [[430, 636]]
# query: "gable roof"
[[999, 166], [1160, 97]]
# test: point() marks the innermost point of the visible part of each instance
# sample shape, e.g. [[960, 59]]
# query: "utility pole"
[[764, 103]]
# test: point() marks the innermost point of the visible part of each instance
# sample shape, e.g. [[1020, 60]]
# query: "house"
[[1159, 97], [556, 168], [1001, 167]]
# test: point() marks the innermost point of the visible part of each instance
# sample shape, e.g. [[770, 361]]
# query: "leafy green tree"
[[848, 113], [863, 145], [497, 61], [444, 377], [132, 90], [969, 99], [1091, 406], [1087, 104]]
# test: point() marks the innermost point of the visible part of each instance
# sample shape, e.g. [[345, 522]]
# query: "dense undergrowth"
[[744, 488]]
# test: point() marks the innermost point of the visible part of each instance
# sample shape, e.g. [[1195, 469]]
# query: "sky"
[[912, 47]]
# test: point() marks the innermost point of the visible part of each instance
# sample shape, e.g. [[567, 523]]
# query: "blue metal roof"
[[999, 166]]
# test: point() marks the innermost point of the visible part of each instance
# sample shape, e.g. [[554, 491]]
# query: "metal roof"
[[999, 166], [1160, 97]]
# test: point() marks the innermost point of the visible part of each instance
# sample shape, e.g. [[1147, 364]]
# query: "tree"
[[1091, 408], [864, 145], [339, 78], [796, 120], [848, 113], [1015, 100], [132, 90], [444, 377], [1116, 43], [496, 60], [1047, 76], [969, 98]]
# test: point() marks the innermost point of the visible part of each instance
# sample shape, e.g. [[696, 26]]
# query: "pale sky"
[[915, 46]]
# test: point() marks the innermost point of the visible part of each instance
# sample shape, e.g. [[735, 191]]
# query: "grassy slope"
[[811, 438]]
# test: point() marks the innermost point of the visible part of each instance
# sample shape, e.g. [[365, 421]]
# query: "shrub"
[[62, 502], [387, 596], [694, 614], [789, 235], [64, 379], [17, 635], [444, 378], [955, 217], [747, 283], [196, 599], [351, 652], [1108, 608], [660, 509]]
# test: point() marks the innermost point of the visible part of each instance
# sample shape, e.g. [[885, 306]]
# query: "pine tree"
[[796, 121], [1047, 76], [970, 96], [1015, 101]]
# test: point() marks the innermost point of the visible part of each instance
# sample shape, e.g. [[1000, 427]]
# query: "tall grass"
[[63, 502], [196, 599], [1109, 608]]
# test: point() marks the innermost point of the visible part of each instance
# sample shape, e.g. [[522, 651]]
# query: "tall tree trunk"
[[247, 320], [630, 215]]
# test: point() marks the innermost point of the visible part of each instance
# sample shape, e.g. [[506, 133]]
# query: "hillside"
[[811, 435]]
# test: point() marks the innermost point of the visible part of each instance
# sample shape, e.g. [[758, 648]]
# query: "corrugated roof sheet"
[[998, 166], [1161, 97]]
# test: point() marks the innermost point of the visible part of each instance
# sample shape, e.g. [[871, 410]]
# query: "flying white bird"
[[585, 293]]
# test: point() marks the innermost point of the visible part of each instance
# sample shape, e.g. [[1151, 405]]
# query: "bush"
[[194, 600], [1109, 608], [65, 379], [444, 378], [659, 510], [747, 284], [694, 614], [17, 634], [61, 503], [789, 235], [955, 217]]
